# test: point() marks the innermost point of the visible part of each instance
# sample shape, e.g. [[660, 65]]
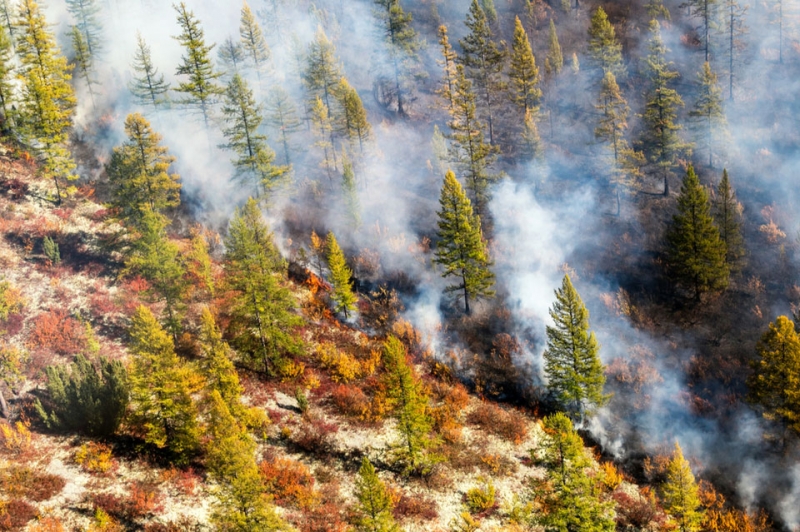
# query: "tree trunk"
[[4, 410]]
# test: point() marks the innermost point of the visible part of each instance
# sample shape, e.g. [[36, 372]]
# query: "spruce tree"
[[147, 86], [461, 250], [555, 60], [695, 251], [571, 360], [253, 43], [468, 150], [483, 62], [7, 67], [524, 74], [661, 141], [281, 115], [680, 494], [86, 14], [47, 101], [774, 385], [139, 173], [727, 213], [402, 46], [231, 57], [84, 60], [261, 308], [708, 116], [161, 390], [255, 159], [604, 48], [352, 122], [375, 503], [201, 89], [448, 64], [342, 295]]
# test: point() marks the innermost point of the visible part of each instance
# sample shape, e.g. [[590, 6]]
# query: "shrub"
[[610, 476], [184, 524], [47, 524], [481, 499], [141, 501], [509, 425], [86, 397], [25, 482], [51, 251], [315, 435], [415, 507], [11, 301], [15, 514], [58, 332], [94, 458], [184, 480], [302, 400], [351, 401], [16, 439], [289, 481], [344, 368]]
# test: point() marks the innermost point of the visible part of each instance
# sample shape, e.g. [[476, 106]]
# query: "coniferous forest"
[[383, 265]]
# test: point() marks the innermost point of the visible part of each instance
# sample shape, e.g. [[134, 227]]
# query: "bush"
[[315, 435], [86, 397], [481, 499], [11, 301], [415, 507], [25, 482], [289, 482], [344, 368], [47, 524], [94, 458], [51, 251], [15, 439], [141, 501], [509, 425], [15, 514], [351, 401], [58, 332]]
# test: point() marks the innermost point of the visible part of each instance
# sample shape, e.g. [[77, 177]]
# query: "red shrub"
[[289, 481], [12, 325], [28, 483], [415, 507], [102, 304], [315, 435], [350, 400], [64, 213], [58, 332], [636, 513], [15, 514], [141, 501], [508, 424], [326, 517]]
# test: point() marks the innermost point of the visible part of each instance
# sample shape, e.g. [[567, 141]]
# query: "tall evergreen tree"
[[47, 101], [524, 74], [706, 10], [7, 16], [7, 67], [708, 117], [217, 366], [571, 360], [147, 86], [323, 70], [201, 89], [86, 14], [255, 159], [774, 385], [661, 141], [461, 249], [468, 150], [375, 503], [323, 131], [352, 122], [350, 195], [261, 308], [84, 60], [139, 173], [253, 43], [161, 391], [402, 46], [727, 213], [231, 57], [555, 60], [483, 62], [281, 115], [343, 297], [695, 250], [604, 48], [530, 141], [734, 28], [448, 64], [680, 494]]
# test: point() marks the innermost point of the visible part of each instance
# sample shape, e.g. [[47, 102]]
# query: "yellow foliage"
[[10, 300], [291, 370], [17, 438], [371, 364], [94, 457], [610, 476], [344, 368], [481, 498], [104, 523]]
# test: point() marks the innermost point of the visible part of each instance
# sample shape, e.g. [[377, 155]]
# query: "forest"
[[383, 265]]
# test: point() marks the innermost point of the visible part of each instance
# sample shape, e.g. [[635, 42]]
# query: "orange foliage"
[[507, 424], [290, 482], [721, 517], [47, 524], [57, 331]]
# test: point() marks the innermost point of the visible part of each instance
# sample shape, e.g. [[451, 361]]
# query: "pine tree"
[[613, 121], [352, 123], [323, 71], [201, 89], [727, 213], [7, 68], [217, 366], [47, 101], [448, 64], [403, 45], [706, 10], [161, 391], [531, 142], [707, 115], [148, 86], [350, 195], [253, 42], [656, 9], [461, 249], [374, 501], [261, 309], [468, 150], [86, 14], [554, 61], [695, 250], [231, 56], [281, 114], [84, 60], [158, 260], [409, 405], [255, 159], [483, 61], [571, 361], [524, 74], [680, 494], [139, 173], [774, 385], [661, 142], [342, 295], [604, 48], [323, 131], [734, 29]]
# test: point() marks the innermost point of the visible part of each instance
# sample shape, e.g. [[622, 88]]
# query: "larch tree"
[[281, 115], [323, 132], [255, 160], [774, 385], [161, 389], [344, 299], [352, 208], [323, 71], [695, 251], [7, 67], [254, 45], [555, 60], [448, 63], [7, 16], [402, 47], [727, 212], [530, 143], [139, 173], [217, 367], [483, 61], [604, 48], [680, 494], [86, 14], [707, 115], [201, 89], [734, 29], [706, 10], [661, 141], [47, 101], [409, 406], [262, 310], [571, 359], [147, 86], [83, 60], [461, 250], [468, 150], [352, 122], [231, 57], [523, 72], [656, 9], [375, 502]]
